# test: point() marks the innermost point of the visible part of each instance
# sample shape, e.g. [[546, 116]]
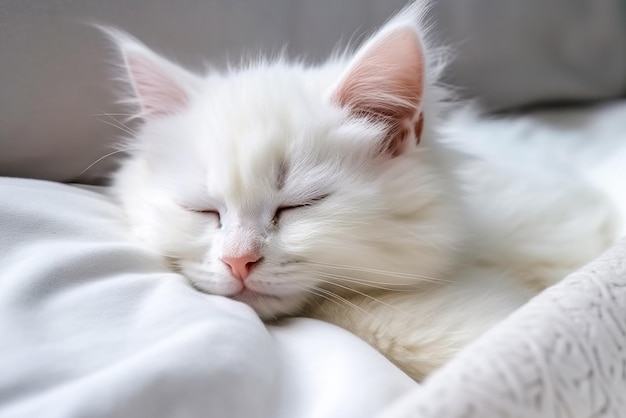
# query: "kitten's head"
[[278, 183]]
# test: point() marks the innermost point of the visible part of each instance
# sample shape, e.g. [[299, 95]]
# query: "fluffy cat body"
[[344, 192]]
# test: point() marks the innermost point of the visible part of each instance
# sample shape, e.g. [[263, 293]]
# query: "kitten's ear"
[[385, 81], [160, 87]]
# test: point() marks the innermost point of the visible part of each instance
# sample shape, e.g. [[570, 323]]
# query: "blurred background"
[[55, 71]]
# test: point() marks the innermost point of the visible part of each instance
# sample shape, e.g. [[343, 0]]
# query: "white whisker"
[[359, 293], [381, 272], [121, 126], [128, 117], [100, 159], [325, 293], [401, 287]]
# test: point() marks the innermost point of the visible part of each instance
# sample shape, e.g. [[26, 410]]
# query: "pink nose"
[[240, 266]]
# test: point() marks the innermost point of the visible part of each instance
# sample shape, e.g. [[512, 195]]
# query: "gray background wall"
[[54, 74]]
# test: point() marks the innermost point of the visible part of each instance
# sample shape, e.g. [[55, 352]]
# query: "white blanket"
[[91, 325]]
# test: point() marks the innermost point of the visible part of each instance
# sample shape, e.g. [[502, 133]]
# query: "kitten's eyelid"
[[207, 211], [306, 203], [309, 201]]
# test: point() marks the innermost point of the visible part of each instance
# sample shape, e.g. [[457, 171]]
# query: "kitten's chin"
[[269, 307], [267, 304]]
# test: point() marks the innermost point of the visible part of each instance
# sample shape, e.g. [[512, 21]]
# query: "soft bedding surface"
[[91, 325]]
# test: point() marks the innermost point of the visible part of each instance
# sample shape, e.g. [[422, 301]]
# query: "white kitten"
[[339, 191]]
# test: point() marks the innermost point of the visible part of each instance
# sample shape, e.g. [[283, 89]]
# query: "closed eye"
[[282, 209], [208, 212]]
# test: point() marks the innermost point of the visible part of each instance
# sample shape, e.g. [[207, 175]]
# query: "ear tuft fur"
[[160, 87], [386, 80]]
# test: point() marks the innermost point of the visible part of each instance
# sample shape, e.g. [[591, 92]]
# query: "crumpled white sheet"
[[93, 326]]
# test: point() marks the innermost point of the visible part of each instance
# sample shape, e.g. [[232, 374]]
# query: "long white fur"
[[417, 253]]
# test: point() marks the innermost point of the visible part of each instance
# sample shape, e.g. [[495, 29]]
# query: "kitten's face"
[[265, 186]]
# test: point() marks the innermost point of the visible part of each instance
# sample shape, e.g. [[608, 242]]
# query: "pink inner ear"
[[386, 83], [158, 91]]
